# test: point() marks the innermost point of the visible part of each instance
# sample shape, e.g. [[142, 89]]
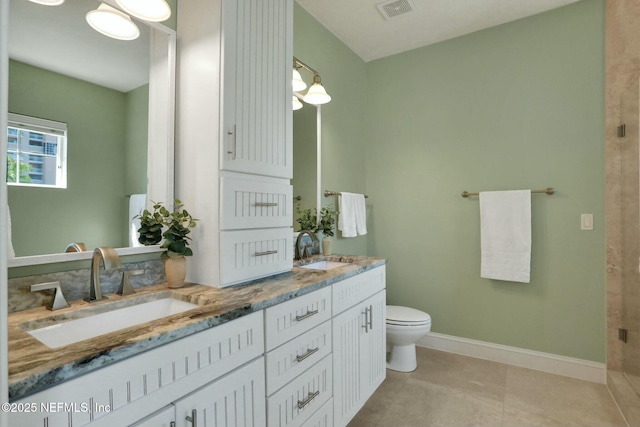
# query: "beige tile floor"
[[452, 390]]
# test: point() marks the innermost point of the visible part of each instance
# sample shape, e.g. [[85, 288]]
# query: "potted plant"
[[177, 224], [325, 225]]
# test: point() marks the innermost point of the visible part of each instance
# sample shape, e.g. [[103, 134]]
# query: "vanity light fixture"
[[298, 83], [112, 23], [296, 103], [316, 94], [149, 10], [48, 2]]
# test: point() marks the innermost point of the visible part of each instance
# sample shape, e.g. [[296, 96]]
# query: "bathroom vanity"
[[305, 348]]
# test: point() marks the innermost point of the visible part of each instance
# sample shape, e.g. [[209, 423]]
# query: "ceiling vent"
[[394, 8]]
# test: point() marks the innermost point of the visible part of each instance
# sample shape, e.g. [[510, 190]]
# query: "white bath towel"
[[137, 204], [505, 233], [352, 220]]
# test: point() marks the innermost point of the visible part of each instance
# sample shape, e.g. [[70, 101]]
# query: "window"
[[36, 152]]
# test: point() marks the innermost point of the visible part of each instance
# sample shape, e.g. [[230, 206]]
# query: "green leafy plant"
[[307, 218], [328, 218], [177, 225], [151, 223], [12, 171]]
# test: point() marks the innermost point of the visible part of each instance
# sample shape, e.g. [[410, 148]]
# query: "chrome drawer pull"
[[193, 419], [304, 316], [366, 320], [266, 253], [307, 354], [310, 397], [265, 204]]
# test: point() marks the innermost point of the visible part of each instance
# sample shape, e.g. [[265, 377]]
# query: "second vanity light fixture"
[[316, 94], [118, 25]]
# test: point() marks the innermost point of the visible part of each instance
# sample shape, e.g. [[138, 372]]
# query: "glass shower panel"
[[630, 217]]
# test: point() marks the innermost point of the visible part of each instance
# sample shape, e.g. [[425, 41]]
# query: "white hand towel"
[[505, 223], [137, 204], [352, 220]]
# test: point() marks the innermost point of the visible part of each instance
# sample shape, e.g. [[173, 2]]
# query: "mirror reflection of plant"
[[151, 223], [177, 224], [328, 218], [307, 218]]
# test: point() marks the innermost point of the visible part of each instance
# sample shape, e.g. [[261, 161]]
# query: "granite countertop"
[[34, 367]]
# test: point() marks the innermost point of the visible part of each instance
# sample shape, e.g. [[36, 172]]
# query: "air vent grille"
[[394, 8]]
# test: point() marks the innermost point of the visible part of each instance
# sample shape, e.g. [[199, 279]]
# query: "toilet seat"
[[406, 316]]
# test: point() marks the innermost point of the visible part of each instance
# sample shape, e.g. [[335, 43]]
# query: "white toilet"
[[405, 326]]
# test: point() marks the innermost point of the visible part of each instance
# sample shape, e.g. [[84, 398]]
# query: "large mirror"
[[307, 145], [117, 101]]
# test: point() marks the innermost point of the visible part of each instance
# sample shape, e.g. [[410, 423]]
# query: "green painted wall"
[[343, 119], [44, 220], [516, 106]]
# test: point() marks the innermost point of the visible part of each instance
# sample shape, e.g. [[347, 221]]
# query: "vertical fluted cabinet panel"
[[257, 117]]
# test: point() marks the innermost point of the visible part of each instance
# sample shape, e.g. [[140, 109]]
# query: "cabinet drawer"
[[351, 291], [298, 401], [323, 417], [250, 203], [292, 318], [293, 358], [250, 254]]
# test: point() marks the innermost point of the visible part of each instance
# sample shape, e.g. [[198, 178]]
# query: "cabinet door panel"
[[359, 351], [257, 63], [235, 400]]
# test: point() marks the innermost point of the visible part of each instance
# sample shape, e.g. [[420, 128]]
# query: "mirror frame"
[[160, 158]]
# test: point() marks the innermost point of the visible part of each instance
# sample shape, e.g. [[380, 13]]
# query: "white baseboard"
[[546, 362]]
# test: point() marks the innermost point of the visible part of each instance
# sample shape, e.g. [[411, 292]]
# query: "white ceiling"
[[59, 39], [359, 24]]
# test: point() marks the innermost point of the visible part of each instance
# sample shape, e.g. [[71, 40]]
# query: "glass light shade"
[[149, 10], [316, 95], [112, 23], [48, 2], [298, 83], [296, 103]]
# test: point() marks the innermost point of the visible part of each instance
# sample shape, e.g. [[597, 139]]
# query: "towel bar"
[[549, 191], [328, 193]]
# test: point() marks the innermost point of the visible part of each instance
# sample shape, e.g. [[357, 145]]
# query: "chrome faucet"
[[75, 247], [305, 251], [110, 259]]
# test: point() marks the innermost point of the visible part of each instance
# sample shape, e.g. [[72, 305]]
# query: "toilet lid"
[[398, 315]]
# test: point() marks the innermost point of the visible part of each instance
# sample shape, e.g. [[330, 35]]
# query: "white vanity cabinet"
[[165, 417], [359, 341], [256, 148], [126, 392]]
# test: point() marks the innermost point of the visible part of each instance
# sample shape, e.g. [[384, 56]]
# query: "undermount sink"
[[324, 265], [71, 329]]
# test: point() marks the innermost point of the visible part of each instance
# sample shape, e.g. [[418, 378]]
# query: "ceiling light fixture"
[[296, 103], [112, 23], [316, 95], [149, 10], [48, 2]]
